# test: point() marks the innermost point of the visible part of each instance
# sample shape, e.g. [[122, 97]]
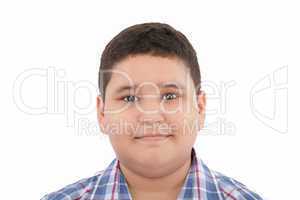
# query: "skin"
[[154, 169]]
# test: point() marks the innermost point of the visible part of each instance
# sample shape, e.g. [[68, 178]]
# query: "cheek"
[[185, 125], [121, 126], [116, 107], [119, 141]]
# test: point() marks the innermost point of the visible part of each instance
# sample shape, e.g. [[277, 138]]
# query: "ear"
[[201, 103], [100, 113]]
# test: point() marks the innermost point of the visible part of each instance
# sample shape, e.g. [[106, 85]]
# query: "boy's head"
[[150, 102], [155, 39]]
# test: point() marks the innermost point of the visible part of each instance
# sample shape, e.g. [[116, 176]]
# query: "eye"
[[130, 98], [169, 96]]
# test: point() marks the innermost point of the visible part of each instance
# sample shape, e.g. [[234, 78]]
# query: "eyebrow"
[[160, 85]]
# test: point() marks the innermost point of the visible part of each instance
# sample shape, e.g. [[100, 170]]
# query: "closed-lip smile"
[[153, 136]]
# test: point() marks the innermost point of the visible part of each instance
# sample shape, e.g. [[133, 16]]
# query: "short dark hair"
[[157, 39]]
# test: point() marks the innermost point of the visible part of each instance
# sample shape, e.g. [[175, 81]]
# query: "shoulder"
[[84, 188], [233, 189], [77, 190]]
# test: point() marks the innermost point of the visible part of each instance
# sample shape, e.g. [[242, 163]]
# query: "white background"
[[243, 43]]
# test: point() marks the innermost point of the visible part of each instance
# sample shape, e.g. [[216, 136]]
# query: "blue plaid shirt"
[[201, 183]]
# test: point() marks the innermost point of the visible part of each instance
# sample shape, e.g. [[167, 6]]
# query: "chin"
[[151, 170], [153, 161]]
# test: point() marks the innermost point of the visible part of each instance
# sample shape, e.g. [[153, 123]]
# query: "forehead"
[[149, 70]]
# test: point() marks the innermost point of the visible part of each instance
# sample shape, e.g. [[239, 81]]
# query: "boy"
[[151, 106]]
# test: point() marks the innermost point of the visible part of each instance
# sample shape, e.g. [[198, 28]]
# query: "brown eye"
[[130, 98], [169, 96]]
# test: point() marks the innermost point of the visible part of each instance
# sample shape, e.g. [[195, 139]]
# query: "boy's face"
[[153, 123]]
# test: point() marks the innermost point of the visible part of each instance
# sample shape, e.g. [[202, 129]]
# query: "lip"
[[153, 139], [151, 135]]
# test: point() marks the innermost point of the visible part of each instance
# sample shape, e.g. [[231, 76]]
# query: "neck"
[[170, 183]]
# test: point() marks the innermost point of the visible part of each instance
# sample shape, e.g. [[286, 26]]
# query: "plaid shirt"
[[201, 183]]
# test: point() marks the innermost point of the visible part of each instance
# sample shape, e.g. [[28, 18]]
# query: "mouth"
[[153, 137]]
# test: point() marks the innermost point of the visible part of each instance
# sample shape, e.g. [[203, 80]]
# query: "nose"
[[150, 111], [151, 118], [150, 123]]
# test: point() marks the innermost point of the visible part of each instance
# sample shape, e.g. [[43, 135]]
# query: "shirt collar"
[[199, 182]]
